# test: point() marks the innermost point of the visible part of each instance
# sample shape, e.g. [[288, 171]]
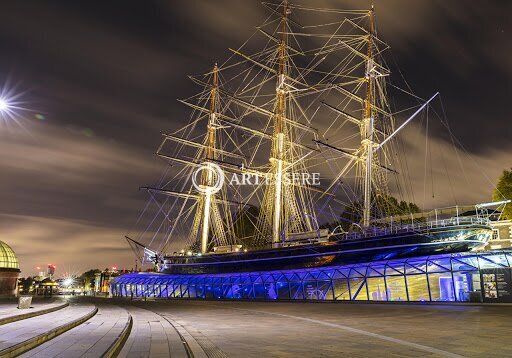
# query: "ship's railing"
[[413, 227], [483, 211]]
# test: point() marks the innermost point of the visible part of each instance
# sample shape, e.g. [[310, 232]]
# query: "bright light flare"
[[12, 104], [4, 105], [68, 281]]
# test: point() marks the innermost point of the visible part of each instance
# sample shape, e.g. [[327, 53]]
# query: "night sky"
[[100, 81]]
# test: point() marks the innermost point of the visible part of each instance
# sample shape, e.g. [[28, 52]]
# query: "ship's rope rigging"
[[273, 107]]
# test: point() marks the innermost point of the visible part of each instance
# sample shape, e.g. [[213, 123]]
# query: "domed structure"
[[9, 270]]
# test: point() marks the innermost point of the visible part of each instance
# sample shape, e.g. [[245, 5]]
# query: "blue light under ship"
[[314, 99]]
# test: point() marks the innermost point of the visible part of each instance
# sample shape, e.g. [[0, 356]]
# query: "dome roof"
[[7, 257]]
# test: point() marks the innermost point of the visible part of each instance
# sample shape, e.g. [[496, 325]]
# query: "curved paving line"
[[19, 317], [30, 343], [117, 345], [190, 354], [207, 347]]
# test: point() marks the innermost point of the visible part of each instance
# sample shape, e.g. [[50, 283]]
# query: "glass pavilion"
[[446, 277]]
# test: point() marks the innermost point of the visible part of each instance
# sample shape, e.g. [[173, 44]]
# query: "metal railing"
[[397, 228]]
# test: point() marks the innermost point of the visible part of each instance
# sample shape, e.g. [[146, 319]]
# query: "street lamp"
[[4, 105]]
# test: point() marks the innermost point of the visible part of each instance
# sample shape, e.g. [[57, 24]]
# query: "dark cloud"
[[106, 75]]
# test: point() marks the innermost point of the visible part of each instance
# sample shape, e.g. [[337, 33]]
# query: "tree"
[[503, 191], [384, 206], [88, 277], [388, 205], [26, 283], [194, 247]]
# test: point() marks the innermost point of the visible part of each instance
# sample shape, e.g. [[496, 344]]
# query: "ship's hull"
[[432, 241]]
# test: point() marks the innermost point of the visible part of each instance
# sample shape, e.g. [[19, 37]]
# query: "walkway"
[[9, 309], [91, 339], [152, 336], [220, 329], [281, 329], [35, 329]]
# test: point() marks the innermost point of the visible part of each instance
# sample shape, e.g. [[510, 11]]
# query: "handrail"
[[396, 229]]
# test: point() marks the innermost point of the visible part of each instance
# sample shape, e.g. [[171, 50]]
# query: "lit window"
[[495, 234]]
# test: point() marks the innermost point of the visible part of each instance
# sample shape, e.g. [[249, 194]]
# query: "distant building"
[[9, 270], [501, 235], [46, 287], [50, 272], [103, 279]]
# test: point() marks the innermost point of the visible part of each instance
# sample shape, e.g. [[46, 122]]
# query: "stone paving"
[[10, 308], [268, 329], [220, 329], [152, 336], [20, 331], [91, 339]]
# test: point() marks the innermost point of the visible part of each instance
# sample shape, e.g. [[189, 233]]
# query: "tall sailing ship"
[[312, 99]]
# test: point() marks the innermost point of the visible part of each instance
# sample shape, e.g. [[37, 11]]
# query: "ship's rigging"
[[286, 108]]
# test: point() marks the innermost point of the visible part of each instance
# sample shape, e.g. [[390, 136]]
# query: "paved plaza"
[[87, 327]]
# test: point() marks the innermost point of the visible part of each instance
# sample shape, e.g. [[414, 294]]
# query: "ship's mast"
[[302, 73], [367, 127], [208, 174], [278, 140]]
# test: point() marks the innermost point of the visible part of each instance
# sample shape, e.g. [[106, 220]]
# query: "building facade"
[[501, 235]]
